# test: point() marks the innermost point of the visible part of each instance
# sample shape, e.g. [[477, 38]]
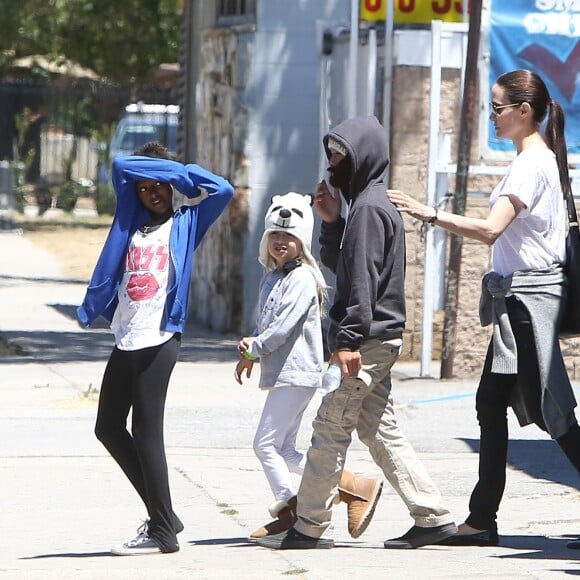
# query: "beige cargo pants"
[[369, 410]]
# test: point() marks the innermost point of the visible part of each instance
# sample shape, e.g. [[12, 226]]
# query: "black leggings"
[[138, 380], [492, 401]]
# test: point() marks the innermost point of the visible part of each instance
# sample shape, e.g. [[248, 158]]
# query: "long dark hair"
[[525, 86]]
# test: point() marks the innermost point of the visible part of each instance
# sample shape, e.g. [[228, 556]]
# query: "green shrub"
[[20, 187], [105, 201], [20, 198], [67, 195]]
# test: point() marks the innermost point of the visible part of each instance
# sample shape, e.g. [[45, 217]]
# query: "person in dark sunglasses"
[[526, 227]]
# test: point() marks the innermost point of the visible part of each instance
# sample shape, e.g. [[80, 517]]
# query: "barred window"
[[236, 12]]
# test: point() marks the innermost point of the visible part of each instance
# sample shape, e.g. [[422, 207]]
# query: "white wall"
[[285, 129]]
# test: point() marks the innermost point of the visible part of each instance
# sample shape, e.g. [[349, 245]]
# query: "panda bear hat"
[[291, 213]]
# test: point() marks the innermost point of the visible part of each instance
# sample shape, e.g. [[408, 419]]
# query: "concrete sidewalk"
[[65, 502]]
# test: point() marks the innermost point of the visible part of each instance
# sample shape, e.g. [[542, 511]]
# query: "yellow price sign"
[[414, 11]]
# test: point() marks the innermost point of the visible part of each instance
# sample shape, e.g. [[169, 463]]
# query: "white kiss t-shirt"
[[143, 291]]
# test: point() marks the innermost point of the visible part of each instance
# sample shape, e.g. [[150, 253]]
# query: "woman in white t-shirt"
[[522, 296]]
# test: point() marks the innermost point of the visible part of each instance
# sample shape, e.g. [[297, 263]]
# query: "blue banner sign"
[[543, 36]]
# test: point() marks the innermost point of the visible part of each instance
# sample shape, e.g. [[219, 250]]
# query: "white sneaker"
[[142, 544]]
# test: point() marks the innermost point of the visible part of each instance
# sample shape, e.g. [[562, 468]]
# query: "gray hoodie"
[[370, 262], [288, 337]]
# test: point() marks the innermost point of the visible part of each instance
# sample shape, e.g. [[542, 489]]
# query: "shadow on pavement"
[[221, 542], [95, 343], [57, 347], [70, 311], [42, 279], [68, 555], [539, 548], [95, 346], [539, 458]]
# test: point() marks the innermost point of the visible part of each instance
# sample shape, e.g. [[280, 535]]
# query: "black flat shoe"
[[294, 540], [483, 538], [419, 536]]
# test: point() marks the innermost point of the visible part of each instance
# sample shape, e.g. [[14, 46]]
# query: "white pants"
[[275, 439]]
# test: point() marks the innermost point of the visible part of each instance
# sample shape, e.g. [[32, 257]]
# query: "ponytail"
[[525, 86], [556, 141]]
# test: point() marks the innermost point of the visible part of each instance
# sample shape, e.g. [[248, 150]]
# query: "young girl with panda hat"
[[288, 343]]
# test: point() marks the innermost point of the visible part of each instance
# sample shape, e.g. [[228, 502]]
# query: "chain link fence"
[[55, 138]]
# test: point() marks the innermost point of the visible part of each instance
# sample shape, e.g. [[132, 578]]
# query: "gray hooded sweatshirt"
[[288, 337], [367, 252]]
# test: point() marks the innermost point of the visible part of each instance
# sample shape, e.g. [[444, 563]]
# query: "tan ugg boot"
[[361, 496], [285, 514]]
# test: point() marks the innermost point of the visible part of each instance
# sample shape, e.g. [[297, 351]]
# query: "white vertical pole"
[[353, 58], [388, 76], [428, 285], [372, 73], [439, 234]]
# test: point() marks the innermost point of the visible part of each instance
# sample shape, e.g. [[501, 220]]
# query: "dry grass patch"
[[76, 244]]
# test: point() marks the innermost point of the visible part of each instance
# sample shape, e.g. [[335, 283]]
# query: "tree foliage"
[[121, 41]]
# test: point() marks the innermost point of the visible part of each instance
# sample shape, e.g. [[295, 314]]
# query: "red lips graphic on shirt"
[[142, 287]]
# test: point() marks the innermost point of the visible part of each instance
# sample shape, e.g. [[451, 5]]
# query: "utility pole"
[[466, 127]]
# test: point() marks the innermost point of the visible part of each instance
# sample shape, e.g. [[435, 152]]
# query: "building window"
[[232, 12]]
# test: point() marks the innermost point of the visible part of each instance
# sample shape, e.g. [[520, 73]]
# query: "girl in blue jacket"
[[141, 285]]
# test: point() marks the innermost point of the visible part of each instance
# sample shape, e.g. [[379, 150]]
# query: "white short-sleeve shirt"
[[536, 237], [143, 291]]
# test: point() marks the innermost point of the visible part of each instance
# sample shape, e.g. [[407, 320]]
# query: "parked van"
[[143, 123]]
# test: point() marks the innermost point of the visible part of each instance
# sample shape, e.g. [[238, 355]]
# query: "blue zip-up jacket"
[[190, 223]]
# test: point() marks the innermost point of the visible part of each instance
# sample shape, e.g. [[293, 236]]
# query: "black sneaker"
[[419, 536], [573, 544], [294, 540]]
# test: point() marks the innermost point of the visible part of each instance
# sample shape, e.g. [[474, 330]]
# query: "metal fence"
[[52, 134]]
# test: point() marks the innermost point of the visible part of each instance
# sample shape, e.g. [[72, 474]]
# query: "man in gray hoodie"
[[366, 251]]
